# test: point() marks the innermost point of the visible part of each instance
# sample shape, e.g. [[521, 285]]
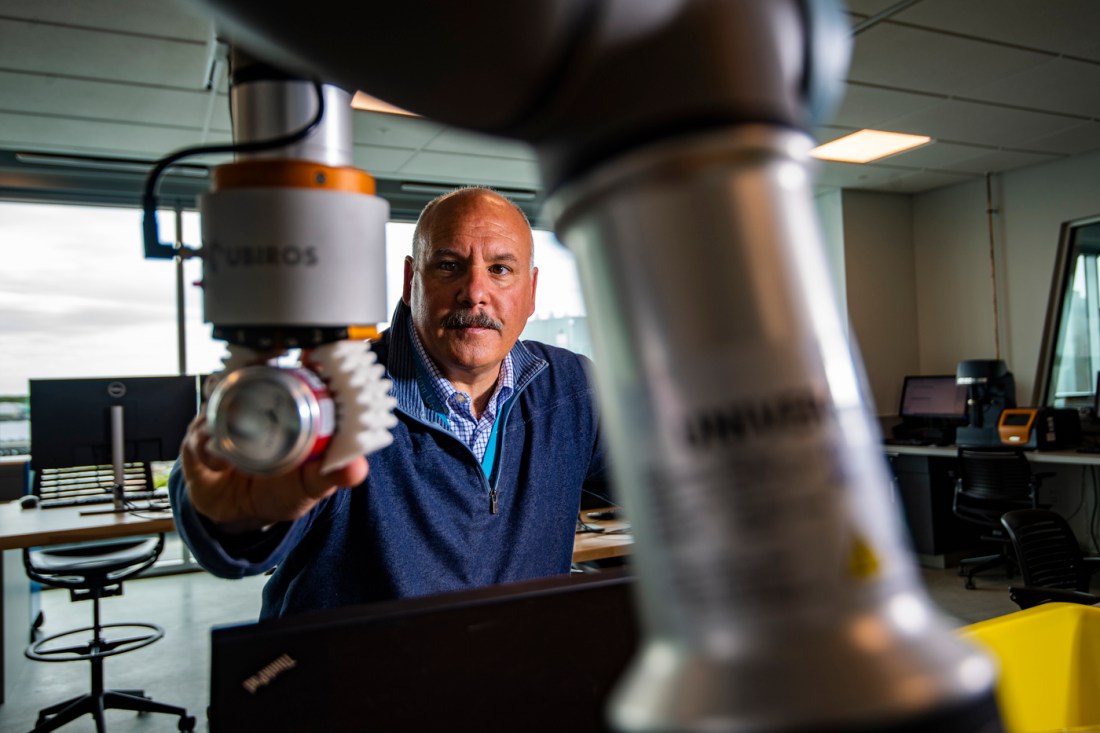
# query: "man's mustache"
[[471, 319]]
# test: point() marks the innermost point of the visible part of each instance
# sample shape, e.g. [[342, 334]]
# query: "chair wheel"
[[970, 584], [187, 722]]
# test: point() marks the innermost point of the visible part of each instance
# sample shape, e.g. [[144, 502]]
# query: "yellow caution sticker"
[[862, 561]]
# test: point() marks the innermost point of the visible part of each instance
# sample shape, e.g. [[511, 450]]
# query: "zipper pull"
[[492, 501]]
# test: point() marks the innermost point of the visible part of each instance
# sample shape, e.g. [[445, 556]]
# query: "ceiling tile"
[[828, 133], [52, 134], [473, 169], [934, 155], [923, 61], [1059, 85], [869, 7], [376, 128], [885, 177], [1053, 26], [454, 140], [851, 175], [164, 18], [125, 78], [1089, 50], [97, 55], [996, 161], [65, 97], [921, 181], [380, 161], [1081, 138], [969, 122], [865, 106]]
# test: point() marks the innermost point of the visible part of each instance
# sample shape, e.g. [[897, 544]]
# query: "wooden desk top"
[[35, 527], [589, 546]]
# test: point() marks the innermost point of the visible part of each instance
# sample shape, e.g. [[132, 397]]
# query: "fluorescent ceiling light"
[[368, 103], [867, 145]]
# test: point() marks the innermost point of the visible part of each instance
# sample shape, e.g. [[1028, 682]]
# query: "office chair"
[[988, 484], [1051, 562], [94, 570]]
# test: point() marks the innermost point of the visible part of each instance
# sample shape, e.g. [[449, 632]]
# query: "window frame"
[[1070, 249]]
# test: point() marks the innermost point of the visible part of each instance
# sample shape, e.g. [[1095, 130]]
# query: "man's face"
[[473, 288]]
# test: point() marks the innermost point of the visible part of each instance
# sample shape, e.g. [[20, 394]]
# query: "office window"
[[78, 299], [1071, 345]]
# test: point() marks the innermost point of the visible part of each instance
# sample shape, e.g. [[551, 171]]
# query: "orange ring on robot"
[[278, 173]]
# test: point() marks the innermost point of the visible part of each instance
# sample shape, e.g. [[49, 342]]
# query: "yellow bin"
[[1050, 666]]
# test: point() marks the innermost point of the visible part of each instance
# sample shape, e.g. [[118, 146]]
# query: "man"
[[482, 483]]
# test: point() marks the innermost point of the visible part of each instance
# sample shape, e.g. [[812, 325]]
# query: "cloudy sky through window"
[[77, 298]]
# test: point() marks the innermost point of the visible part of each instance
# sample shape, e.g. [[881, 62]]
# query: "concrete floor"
[[176, 669]]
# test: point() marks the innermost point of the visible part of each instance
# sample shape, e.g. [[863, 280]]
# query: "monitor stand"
[[118, 463]]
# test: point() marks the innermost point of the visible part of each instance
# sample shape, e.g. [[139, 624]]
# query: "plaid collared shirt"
[[473, 432]]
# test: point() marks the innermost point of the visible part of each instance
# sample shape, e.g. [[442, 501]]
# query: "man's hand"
[[240, 502]]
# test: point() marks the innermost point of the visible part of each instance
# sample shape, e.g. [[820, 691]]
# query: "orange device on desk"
[[1016, 424], [1042, 428]]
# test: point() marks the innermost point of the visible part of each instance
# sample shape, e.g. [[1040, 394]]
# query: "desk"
[[21, 528], [1071, 457], [590, 546], [924, 478]]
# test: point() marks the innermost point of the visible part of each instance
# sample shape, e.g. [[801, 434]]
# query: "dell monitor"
[[932, 408], [109, 421], [937, 397]]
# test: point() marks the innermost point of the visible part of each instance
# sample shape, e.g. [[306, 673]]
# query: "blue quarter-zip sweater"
[[421, 522]]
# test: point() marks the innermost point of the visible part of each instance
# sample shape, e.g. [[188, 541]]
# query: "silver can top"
[[265, 420]]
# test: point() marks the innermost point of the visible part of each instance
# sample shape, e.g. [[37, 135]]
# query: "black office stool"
[[92, 571]]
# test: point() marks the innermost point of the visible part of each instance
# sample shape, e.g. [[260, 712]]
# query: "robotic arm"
[[672, 135]]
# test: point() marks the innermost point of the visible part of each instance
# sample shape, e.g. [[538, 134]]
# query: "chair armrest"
[[1027, 597]]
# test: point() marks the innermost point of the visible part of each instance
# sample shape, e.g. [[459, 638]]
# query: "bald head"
[[452, 205]]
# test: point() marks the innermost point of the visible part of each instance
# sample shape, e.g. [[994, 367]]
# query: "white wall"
[[953, 275], [881, 290], [830, 212]]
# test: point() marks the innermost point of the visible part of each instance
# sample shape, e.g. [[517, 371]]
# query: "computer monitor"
[[71, 419], [536, 656], [930, 398]]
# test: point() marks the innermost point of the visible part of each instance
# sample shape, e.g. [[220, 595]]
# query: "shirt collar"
[[402, 366], [441, 387]]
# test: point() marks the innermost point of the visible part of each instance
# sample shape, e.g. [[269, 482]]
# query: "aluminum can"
[[268, 420]]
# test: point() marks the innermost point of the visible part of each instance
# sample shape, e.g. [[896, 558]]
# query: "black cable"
[[584, 527], [142, 512], [1096, 506], [1080, 497], [153, 245], [601, 497]]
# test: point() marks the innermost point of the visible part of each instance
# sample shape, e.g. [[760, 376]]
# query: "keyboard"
[[908, 441], [104, 498]]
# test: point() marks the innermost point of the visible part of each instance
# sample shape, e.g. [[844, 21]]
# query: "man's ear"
[[406, 287], [534, 287]]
